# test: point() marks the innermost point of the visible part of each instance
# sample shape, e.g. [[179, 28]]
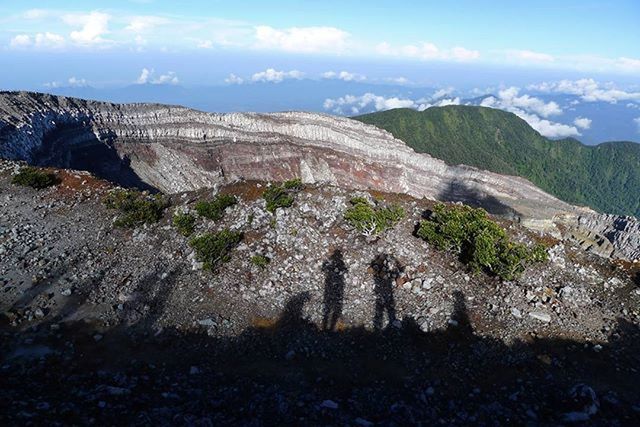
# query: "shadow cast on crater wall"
[[459, 191], [75, 146]]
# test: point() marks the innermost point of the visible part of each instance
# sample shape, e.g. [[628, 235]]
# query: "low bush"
[[260, 261], [293, 184], [282, 196], [214, 208], [136, 208], [33, 177], [480, 242], [184, 222], [214, 249], [371, 219]]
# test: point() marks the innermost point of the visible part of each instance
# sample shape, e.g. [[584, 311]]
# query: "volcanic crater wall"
[[178, 149], [174, 149]]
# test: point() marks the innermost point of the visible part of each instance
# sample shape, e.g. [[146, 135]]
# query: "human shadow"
[[386, 269], [291, 371], [334, 270]]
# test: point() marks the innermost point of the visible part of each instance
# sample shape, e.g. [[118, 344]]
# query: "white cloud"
[[350, 104], [427, 51], [510, 98], [141, 24], [544, 127], [92, 27], [462, 54], [628, 64], [588, 89], [39, 40], [144, 76], [344, 75], [34, 14], [440, 93], [399, 80], [75, 82], [530, 56], [205, 44], [274, 76], [440, 103], [233, 79], [637, 122], [21, 40], [582, 122], [301, 39], [164, 79], [147, 76], [71, 82]]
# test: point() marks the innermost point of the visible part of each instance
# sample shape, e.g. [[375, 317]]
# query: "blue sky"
[[557, 64], [546, 37]]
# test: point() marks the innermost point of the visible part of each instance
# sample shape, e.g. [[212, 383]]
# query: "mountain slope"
[[174, 149], [605, 177]]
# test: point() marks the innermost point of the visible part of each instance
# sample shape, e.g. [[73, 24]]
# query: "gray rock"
[[329, 404], [541, 316]]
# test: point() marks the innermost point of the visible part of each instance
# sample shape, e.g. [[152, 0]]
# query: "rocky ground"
[[103, 325]]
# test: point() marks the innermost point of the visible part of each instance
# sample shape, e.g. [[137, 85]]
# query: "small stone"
[[65, 292], [97, 337], [516, 313], [206, 322], [290, 355], [541, 316], [329, 404], [362, 422], [194, 370]]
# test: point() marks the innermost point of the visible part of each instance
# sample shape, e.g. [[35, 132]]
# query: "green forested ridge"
[[605, 177]]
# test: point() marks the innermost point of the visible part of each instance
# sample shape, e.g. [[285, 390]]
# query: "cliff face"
[[177, 149]]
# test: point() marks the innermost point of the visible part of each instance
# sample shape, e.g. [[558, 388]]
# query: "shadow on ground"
[[292, 371]]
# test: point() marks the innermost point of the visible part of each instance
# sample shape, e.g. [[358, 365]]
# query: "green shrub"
[[369, 219], [213, 249], [184, 222], [282, 196], [293, 184], [480, 242], [260, 261], [214, 209], [136, 207], [539, 253], [32, 177]]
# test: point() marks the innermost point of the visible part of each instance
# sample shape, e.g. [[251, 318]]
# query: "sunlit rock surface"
[[174, 149]]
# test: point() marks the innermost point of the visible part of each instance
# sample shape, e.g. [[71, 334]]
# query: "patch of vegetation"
[[136, 208], [480, 242], [33, 177], [214, 249], [371, 219], [282, 196], [260, 261], [184, 222], [293, 184], [214, 208], [605, 177]]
